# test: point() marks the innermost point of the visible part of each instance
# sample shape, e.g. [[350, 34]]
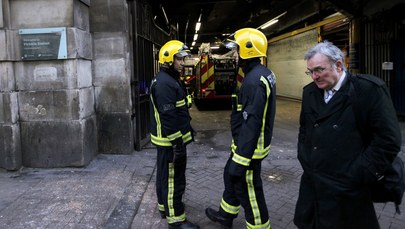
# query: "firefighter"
[[252, 121], [170, 133]]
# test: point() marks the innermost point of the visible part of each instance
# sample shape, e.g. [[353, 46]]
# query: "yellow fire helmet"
[[252, 43], [170, 49]]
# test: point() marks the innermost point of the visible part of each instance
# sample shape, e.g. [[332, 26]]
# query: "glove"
[[179, 150], [236, 170]]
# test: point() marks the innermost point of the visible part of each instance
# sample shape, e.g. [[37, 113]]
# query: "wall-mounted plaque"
[[43, 44]]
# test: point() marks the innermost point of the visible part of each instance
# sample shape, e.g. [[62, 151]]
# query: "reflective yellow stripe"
[[189, 100], [161, 207], [260, 142], [268, 90], [172, 218], [233, 147], [261, 153], [175, 219], [174, 136], [160, 141], [241, 160], [180, 103], [170, 189], [252, 197], [157, 118], [261, 226], [239, 108], [258, 154], [229, 208], [187, 137], [254, 205]]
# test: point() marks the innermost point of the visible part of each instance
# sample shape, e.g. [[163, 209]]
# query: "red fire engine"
[[217, 78]]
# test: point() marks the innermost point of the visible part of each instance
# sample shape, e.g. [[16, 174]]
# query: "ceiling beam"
[[307, 28], [351, 7]]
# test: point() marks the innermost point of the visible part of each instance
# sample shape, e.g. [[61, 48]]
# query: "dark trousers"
[[247, 191], [171, 183]]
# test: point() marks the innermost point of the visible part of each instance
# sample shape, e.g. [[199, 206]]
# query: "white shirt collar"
[[339, 83], [328, 96]]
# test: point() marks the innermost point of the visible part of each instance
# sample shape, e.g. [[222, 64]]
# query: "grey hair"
[[328, 49]]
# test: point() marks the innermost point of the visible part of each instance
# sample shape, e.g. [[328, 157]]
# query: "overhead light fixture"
[[192, 44], [164, 14], [271, 22], [214, 47], [195, 37], [197, 26]]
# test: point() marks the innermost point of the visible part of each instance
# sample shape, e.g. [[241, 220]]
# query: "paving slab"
[[118, 191]]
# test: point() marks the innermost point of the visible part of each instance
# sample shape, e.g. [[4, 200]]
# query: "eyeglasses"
[[317, 70]]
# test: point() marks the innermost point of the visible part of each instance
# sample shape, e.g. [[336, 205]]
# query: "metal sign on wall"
[[43, 43]]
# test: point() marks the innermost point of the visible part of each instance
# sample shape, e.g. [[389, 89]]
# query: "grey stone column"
[[111, 75], [10, 141], [54, 98]]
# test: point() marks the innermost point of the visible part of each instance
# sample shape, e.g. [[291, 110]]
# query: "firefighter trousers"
[[171, 183], [245, 191]]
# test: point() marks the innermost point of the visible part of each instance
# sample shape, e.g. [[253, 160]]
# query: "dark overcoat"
[[339, 162]]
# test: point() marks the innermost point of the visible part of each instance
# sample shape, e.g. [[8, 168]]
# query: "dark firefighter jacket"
[[252, 118], [338, 161], [170, 119]]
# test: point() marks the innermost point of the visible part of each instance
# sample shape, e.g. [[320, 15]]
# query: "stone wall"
[[111, 75], [47, 112], [10, 140], [63, 111]]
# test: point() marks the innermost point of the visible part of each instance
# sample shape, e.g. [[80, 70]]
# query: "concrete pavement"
[[117, 191]]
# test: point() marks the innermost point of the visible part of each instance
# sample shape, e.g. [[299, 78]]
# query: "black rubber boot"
[[215, 216], [184, 225]]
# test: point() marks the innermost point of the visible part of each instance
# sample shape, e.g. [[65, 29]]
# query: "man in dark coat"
[[342, 152]]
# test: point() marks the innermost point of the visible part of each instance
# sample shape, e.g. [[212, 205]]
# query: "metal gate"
[[384, 38], [398, 85], [145, 39]]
